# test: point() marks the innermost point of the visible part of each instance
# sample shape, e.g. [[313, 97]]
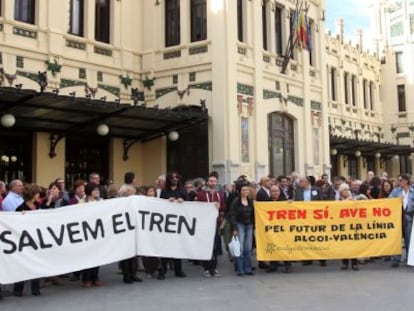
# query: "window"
[[401, 98], [281, 140], [371, 95], [278, 31], [264, 25], [198, 20], [102, 20], [346, 78], [399, 64], [333, 83], [240, 20], [353, 90], [1, 5], [365, 93], [24, 11], [76, 17], [172, 22]]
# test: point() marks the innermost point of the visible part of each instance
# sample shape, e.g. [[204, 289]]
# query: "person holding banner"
[[307, 192], [406, 193], [173, 192], [211, 194], [30, 194], [276, 195], [345, 194], [242, 220], [91, 276]]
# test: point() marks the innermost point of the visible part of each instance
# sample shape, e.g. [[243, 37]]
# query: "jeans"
[[244, 261]]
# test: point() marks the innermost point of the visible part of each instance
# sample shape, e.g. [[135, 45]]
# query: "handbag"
[[234, 246]]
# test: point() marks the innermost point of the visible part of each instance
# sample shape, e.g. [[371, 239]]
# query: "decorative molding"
[[148, 83], [29, 75], [125, 81], [67, 83], [245, 89], [208, 86], [296, 100], [172, 54], [53, 67], [198, 49], [102, 51], [164, 91], [111, 89], [24, 32], [267, 94], [316, 105], [75, 44]]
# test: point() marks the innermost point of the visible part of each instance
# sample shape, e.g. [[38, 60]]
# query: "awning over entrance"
[[348, 146], [49, 112]]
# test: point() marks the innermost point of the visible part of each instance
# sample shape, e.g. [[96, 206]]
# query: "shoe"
[[36, 293], [128, 281], [355, 267], [216, 273], [136, 279], [395, 264], [249, 273], [18, 294], [180, 275], [344, 267], [87, 284], [240, 274], [323, 263], [207, 274], [98, 283]]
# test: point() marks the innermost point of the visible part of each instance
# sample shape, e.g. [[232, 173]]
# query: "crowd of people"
[[235, 203]]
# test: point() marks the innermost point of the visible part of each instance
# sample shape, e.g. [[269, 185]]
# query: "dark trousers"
[[129, 268], [90, 275], [19, 287], [178, 265], [354, 261], [211, 264]]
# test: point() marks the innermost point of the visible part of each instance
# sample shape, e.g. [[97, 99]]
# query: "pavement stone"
[[376, 286]]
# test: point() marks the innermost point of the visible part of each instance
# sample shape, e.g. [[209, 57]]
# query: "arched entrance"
[[281, 144]]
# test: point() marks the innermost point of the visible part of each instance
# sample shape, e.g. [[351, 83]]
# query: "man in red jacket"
[[211, 194]]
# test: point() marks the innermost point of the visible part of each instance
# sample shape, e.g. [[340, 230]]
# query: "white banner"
[[51, 242], [410, 258]]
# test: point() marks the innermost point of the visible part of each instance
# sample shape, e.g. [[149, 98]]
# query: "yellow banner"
[[328, 229]]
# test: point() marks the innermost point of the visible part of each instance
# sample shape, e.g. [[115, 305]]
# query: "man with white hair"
[[159, 185], [14, 197]]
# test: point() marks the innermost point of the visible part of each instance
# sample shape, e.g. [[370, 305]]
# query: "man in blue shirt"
[[14, 197]]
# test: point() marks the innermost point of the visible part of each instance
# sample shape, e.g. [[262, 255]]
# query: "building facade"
[[271, 108]]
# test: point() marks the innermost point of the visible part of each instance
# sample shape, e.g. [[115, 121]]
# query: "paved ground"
[[375, 287]]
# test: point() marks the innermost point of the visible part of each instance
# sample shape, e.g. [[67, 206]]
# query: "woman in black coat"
[[31, 193]]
